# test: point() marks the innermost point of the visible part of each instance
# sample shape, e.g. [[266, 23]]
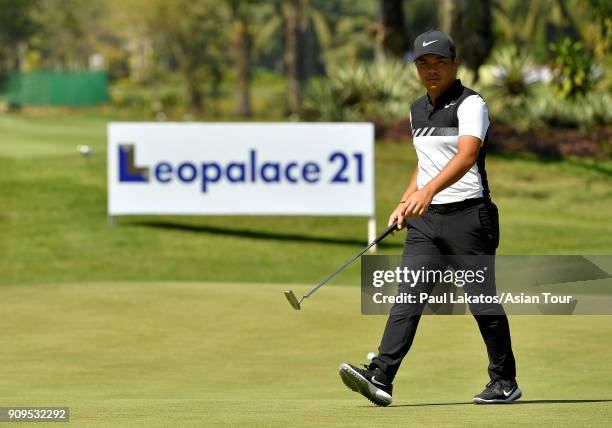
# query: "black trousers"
[[439, 238]]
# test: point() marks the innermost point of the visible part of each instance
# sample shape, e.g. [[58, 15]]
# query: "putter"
[[297, 304]]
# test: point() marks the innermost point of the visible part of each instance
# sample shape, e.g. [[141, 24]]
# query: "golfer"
[[450, 220]]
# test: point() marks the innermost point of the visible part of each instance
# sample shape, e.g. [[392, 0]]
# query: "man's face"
[[436, 72]]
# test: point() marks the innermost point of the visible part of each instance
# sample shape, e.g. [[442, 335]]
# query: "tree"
[[293, 55], [192, 34], [536, 25], [17, 26], [601, 11], [242, 40], [469, 24], [307, 40], [343, 30], [390, 32], [70, 31], [327, 34], [519, 24]]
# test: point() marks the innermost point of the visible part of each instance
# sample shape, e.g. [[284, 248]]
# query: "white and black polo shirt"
[[436, 131]]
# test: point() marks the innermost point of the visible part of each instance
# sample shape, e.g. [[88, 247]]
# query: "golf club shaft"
[[379, 238]]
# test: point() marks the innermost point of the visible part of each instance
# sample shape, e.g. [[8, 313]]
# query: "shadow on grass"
[[560, 401], [514, 403], [253, 234]]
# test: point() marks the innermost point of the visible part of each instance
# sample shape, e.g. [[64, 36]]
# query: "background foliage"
[[540, 65]]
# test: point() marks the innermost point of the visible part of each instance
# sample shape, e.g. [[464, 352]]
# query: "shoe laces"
[[370, 367], [494, 382]]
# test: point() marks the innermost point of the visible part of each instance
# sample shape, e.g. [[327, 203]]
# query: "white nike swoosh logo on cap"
[[429, 43], [373, 379]]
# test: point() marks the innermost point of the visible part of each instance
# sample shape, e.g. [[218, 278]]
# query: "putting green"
[[197, 354]]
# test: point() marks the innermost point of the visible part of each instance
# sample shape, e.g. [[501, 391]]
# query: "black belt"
[[456, 206]]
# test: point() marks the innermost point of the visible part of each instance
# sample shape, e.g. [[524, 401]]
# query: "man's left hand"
[[418, 202]]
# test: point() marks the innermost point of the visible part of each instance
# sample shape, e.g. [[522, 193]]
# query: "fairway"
[[198, 354]]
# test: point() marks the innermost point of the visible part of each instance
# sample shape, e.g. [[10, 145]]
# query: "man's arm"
[[416, 204]]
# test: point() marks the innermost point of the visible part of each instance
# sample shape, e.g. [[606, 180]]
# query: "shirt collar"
[[451, 93]]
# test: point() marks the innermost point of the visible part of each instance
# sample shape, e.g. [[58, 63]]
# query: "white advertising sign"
[[241, 169]]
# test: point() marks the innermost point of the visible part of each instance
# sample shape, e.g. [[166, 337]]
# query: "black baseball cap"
[[434, 42]]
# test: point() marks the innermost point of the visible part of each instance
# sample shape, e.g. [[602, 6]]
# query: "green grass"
[[180, 321], [211, 354], [54, 226]]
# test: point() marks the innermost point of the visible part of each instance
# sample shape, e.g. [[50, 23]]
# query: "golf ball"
[[371, 355], [84, 150]]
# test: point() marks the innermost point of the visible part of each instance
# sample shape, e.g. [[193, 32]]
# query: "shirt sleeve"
[[473, 117]]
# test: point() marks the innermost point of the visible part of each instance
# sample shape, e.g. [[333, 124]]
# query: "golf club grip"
[[386, 232]]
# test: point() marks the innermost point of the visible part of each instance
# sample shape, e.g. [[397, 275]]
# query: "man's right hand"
[[398, 216]]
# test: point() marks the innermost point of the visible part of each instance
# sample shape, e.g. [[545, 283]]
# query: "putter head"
[[293, 301]]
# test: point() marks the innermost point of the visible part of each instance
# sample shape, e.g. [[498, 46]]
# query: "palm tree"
[[542, 22], [297, 19], [293, 58], [469, 24], [390, 32], [242, 39], [316, 35], [189, 33]]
